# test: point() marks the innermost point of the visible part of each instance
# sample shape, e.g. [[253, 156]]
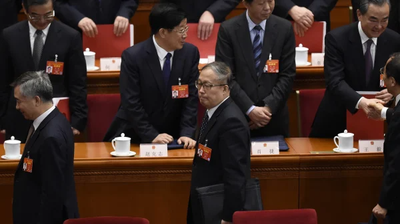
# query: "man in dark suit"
[[353, 56], [85, 14], [389, 201], [206, 13], [150, 73], [33, 45], [260, 50], [223, 146], [44, 186], [305, 12]]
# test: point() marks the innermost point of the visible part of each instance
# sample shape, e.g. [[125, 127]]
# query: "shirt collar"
[[160, 51], [397, 100], [252, 24], [39, 119], [211, 111], [364, 37], [32, 30]]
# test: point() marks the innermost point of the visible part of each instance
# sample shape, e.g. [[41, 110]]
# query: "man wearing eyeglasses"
[[353, 56], [34, 45], [151, 73]]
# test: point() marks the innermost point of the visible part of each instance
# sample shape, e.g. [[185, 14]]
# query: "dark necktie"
[[30, 133], [37, 48], [167, 68], [257, 48], [368, 61], [204, 124]]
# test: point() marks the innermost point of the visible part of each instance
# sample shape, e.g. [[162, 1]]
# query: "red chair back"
[[314, 38], [108, 220], [102, 109], [293, 216], [206, 47], [308, 101]]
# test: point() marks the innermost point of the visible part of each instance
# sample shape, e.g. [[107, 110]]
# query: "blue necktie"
[[368, 61], [257, 48], [167, 69]]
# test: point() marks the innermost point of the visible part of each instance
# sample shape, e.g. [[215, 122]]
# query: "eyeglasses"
[[206, 85], [47, 17], [182, 30], [382, 70]]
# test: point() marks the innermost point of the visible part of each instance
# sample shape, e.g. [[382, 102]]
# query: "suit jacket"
[[47, 195], [390, 194], [71, 12], [345, 74], [9, 12], [147, 108], [320, 8], [227, 134], [61, 40], [235, 48], [195, 8]]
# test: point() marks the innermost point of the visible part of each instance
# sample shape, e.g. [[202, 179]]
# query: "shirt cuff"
[[250, 110], [383, 112], [359, 102]]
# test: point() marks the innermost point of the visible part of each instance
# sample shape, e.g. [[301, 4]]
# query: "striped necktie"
[[257, 48]]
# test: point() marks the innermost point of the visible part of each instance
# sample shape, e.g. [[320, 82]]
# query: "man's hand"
[[3, 131], [75, 131], [206, 24], [299, 30], [163, 138], [384, 95], [225, 222], [120, 25], [375, 110], [303, 16], [88, 27], [379, 212], [188, 142], [260, 116], [365, 102]]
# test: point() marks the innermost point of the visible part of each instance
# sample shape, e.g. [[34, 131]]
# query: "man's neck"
[[161, 43], [43, 109]]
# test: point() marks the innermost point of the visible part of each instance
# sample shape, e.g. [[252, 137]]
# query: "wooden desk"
[[343, 188]]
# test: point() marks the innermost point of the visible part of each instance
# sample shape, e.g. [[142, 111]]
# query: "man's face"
[[25, 105], [260, 10], [375, 21], [211, 90], [175, 38], [40, 16]]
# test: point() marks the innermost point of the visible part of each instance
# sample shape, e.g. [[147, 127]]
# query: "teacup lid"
[[301, 48], [122, 138], [87, 52], [12, 141], [346, 134]]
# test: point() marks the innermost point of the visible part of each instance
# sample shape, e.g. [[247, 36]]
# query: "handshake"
[[372, 108]]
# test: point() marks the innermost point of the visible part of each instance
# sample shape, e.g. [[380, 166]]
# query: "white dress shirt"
[[39, 119], [211, 111], [384, 110], [32, 34], [162, 53]]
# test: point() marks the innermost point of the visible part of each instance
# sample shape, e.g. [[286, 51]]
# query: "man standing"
[[223, 146], [389, 201], [353, 56], [150, 72], [85, 14], [33, 45], [260, 50], [44, 186]]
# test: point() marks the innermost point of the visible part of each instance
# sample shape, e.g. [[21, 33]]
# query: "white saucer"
[[347, 151], [92, 68], [306, 64], [14, 158], [114, 153]]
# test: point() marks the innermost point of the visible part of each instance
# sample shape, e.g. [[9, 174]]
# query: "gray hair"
[[223, 72], [364, 4], [32, 84]]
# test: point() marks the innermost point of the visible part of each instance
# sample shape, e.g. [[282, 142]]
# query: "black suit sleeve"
[[189, 108], [287, 72], [335, 75], [389, 114], [131, 98], [224, 52], [76, 76], [221, 8], [235, 156], [128, 8], [53, 162], [320, 8], [6, 78], [67, 13]]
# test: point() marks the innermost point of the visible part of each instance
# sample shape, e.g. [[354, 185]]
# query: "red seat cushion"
[[107, 220], [292, 216]]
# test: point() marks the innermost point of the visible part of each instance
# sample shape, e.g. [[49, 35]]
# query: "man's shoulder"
[[14, 28], [391, 35], [344, 31], [67, 30], [139, 48]]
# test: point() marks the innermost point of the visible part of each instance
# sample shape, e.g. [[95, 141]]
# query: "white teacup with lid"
[[345, 141], [12, 148], [121, 145], [301, 55], [89, 58]]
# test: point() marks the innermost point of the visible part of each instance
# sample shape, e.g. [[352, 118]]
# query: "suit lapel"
[[154, 64], [270, 34], [214, 117], [245, 42], [51, 41], [358, 55], [26, 45]]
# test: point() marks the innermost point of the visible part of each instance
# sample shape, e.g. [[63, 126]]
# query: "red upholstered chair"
[[206, 47], [308, 101], [293, 216], [314, 38], [102, 109], [108, 220]]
